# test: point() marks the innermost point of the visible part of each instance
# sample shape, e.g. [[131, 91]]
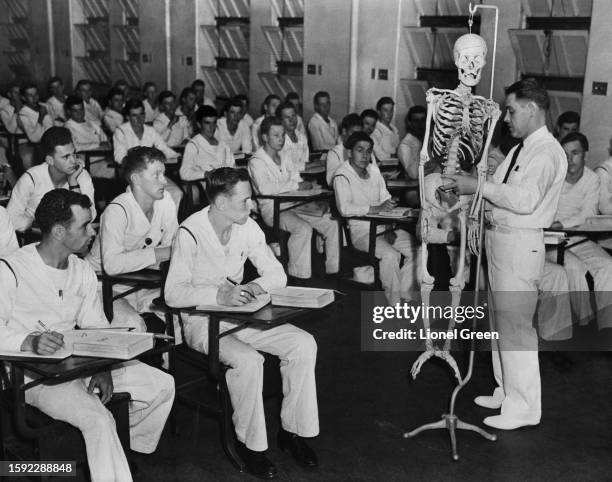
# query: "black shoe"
[[298, 447], [256, 463]]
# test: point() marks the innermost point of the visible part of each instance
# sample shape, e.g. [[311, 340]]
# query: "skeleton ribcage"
[[454, 118]]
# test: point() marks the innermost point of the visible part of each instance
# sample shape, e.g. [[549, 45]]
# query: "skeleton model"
[[458, 123]]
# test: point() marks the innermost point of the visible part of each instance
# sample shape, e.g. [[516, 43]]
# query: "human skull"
[[470, 53]]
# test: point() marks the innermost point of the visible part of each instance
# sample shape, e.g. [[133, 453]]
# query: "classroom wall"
[[260, 55], [596, 122]]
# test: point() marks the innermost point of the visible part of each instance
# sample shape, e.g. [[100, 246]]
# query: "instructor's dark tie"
[[513, 161]]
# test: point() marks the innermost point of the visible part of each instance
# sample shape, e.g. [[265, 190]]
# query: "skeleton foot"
[[442, 354], [420, 361], [448, 358]]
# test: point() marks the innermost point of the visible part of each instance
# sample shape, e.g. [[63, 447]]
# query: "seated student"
[[270, 103], [579, 199], [55, 102], [123, 86], [199, 87], [211, 247], [93, 111], [9, 112], [187, 108], [135, 133], [61, 169], [336, 156], [567, 123], [604, 172], [369, 118], [294, 98], [33, 115], [322, 129], [296, 144], [31, 279], [113, 114], [86, 136], [409, 151], [204, 153], [174, 129], [149, 101], [8, 240], [360, 189], [232, 130], [245, 109], [137, 227], [385, 135], [272, 173]]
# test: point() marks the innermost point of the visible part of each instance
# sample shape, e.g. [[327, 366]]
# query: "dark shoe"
[[256, 463], [298, 447]]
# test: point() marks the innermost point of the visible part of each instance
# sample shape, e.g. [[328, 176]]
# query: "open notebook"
[[103, 343]]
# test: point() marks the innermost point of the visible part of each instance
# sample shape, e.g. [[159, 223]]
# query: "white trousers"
[[591, 257], [124, 313], [297, 351], [554, 307], [397, 282], [515, 265], [152, 394], [300, 226]]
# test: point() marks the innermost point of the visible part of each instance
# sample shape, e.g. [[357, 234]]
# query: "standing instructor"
[[523, 196]]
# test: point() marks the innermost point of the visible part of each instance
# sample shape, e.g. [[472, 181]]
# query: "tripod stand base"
[[452, 423]]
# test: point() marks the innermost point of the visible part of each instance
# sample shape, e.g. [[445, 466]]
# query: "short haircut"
[[146, 85], [530, 89], [269, 122], [320, 95], [113, 92], [71, 101], [53, 137], [292, 96], [222, 181], [351, 120], [164, 94], [576, 136], [81, 83], [270, 98], [132, 104], [205, 111], [55, 208], [138, 158], [27, 86], [568, 117], [242, 98], [384, 101], [53, 80], [282, 106], [369, 113], [356, 137], [233, 102], [121, 82], [185, 92], [415, 109], [198, 82]]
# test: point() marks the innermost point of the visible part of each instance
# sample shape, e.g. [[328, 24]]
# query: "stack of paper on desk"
[[394, 213], [604, 220], [252, 307], [299, 297], [107, 343], [554, 237]]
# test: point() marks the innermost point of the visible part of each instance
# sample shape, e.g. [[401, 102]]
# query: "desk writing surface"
[[4, 200], [268, 315]]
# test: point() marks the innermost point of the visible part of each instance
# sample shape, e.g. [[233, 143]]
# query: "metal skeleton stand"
[[449, 420]]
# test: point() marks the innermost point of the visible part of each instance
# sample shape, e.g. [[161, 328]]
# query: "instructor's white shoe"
[[508, 422], [488, 401]]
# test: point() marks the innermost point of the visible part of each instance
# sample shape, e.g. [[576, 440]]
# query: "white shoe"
[[488, 401], [508, 422]]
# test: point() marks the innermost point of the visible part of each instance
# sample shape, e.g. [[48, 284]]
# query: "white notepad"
[[252, 307]]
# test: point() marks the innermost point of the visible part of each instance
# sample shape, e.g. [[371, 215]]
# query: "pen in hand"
[[245, 290], [46, 329]]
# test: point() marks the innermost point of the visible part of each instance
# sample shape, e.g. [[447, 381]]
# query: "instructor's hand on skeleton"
[[460, 183], [230, 295]]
